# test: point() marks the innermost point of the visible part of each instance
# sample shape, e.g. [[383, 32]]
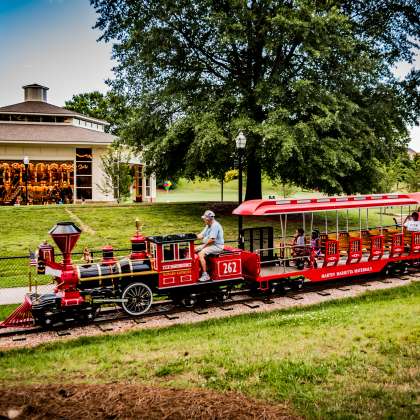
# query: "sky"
[[52, 42]]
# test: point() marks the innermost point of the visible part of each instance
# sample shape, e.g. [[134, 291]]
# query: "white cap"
[[208, 214]]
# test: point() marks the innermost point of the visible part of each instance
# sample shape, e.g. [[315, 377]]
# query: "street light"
[[240, 146], [26, 163]]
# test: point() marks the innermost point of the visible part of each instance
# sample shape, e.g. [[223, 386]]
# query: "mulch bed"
[[127, 401]]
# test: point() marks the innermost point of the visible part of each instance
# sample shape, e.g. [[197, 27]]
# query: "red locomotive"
[[167, 265]]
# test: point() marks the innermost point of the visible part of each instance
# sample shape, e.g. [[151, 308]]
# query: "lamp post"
[[26, 163], [240, 146]]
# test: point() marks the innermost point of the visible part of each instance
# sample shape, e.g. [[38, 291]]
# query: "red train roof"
[[301, 205]]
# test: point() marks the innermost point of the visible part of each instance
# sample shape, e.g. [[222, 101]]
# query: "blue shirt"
[[214, 231]]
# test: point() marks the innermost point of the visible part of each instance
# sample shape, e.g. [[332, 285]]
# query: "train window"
[[184, 250], [152, 250], [168, 252]]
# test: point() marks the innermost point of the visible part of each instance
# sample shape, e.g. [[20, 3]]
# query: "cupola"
[[35, 92]]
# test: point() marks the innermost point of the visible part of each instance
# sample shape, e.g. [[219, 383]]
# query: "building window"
[[47, 182], [148, 187], [84, 174]]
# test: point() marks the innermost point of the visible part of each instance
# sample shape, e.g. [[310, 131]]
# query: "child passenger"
[[316, 243], [299, 242]]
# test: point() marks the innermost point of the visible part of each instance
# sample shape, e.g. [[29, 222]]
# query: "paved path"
[[85, 228], [16, 294]]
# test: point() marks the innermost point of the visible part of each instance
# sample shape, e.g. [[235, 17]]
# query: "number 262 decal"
[[229, 267]]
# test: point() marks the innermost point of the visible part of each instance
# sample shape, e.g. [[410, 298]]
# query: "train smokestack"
[[65, 235]]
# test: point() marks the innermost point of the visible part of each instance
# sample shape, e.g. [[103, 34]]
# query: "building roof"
[[35, 85], [52, 134], [275, 207], [44, 108]]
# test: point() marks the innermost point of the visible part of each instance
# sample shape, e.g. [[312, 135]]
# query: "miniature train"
[[168, 265]]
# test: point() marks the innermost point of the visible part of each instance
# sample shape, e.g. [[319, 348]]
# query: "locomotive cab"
[[172, 256]]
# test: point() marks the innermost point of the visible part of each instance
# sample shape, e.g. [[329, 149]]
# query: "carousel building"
[[49, 154]]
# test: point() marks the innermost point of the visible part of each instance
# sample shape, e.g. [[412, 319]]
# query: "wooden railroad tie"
[[251, 305], [268, 301], [63, 333], [19, 338], [226, 308], [171, 316], [199, 311], [295, 297], [343, 289], [104, 328], [139, 321], [323, 293]]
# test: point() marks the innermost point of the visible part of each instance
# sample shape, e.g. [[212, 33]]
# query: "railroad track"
[[170, 311]]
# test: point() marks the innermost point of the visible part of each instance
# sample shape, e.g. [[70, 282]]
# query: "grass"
[[356, 358], [6, 310], [210, 190]]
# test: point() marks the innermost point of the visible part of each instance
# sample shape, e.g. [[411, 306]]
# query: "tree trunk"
[[253, 176]]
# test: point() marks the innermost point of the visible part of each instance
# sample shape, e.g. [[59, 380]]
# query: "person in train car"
[[299, 242], [213, 241], [412, 223], [316, 242]]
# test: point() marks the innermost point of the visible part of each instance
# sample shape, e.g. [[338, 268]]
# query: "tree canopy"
[[108, 107], [309, 82]]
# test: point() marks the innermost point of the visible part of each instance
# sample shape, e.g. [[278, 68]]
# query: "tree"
[[412, 178], [117, 178], [309, 82], [109, 107]]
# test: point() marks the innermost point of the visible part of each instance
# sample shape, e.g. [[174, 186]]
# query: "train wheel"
[[296, 285], [190, 301], [138, 299], [222, 296]]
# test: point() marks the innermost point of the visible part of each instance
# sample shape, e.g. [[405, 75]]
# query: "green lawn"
[[6, 310], [199, 191], [357, 358]]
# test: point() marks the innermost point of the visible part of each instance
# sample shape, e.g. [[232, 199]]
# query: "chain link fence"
[[18, 275]]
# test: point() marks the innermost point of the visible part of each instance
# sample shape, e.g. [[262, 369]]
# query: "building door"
[[138, 183], [83, 174]]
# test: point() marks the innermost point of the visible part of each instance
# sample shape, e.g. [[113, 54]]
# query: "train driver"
[[213, 241]]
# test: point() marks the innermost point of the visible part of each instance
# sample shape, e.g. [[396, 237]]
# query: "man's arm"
[[212, 235], [201, 234]]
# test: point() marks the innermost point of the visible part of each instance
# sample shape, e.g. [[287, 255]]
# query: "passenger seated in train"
[[316, 243], [299, 250], [412, 223], [213, 241], [298, 243]]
